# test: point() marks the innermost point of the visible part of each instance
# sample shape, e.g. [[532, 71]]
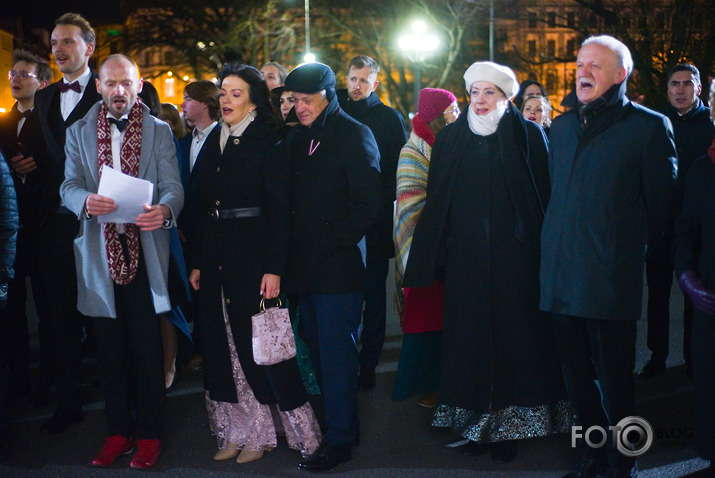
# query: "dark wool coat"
[[693, 132], [335, 200], [234, 254], [479, 229], [695, 250], [388, 127], [613, 191]]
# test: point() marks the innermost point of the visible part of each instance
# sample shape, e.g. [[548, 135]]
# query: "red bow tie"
[[65, 87]]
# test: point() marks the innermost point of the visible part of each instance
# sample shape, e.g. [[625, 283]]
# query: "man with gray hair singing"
[[613, 175]]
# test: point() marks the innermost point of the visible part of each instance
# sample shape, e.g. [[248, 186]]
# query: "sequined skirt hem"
[[510, 423]]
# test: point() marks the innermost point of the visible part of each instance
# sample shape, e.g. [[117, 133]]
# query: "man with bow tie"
[[24, 149], [58, 107], [123, 278]]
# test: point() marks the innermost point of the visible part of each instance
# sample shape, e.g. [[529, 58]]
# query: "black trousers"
[[659, 275], [129, 351], [54, 287], [602, 350]]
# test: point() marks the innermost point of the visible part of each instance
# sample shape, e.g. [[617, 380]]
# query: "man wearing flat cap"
[[335, 200]]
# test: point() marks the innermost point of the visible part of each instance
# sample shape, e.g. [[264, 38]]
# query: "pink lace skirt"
[[251, 424]]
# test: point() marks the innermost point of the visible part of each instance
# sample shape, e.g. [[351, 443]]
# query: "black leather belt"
[[217, 214]]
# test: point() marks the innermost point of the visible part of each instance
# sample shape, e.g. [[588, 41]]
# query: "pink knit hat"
[[433, 102]]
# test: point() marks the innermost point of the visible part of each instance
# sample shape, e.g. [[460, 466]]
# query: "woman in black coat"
[[487, 190], [241, 256], [695, 269]]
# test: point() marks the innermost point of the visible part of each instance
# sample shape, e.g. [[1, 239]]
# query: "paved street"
[[397, 439]]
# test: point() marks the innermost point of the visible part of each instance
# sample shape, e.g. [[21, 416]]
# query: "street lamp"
[[309, 57], [418, 45]]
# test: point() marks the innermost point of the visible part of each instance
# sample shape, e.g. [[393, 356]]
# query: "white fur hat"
[[501, 76]]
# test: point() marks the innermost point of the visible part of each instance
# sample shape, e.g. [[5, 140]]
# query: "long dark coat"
[[480, 229], [335, 200], [695, 250], [613, 192], [253, 171], [388, 127]]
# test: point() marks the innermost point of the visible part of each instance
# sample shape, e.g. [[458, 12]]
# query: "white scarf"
[[235, 130], [484, 125]]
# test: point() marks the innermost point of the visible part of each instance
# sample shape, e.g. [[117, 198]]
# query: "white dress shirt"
[[70, 98], [198, 138]]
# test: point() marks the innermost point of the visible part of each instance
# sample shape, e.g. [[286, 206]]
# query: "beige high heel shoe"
[[228, 453], [247, 455]]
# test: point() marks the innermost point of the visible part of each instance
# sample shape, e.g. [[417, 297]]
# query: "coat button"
[[228, 301], [218, 170], [220, 268], [218, 203], [236, 141]]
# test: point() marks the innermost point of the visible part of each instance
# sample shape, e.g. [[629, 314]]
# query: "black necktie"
[[120, 124], [65, 87]]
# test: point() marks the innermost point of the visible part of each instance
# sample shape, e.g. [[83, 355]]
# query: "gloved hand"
[[3, 295], [702, 298]]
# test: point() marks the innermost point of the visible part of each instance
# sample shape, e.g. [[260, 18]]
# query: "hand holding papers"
[[129, 194]]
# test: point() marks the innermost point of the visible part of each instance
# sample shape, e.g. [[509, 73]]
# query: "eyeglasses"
[[23, 75], [455, 111]]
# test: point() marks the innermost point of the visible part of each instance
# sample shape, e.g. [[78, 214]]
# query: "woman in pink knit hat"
[[420, 309]]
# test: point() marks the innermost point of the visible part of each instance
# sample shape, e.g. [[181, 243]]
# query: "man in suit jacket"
[[124, 267], [58, 107], [22, 145], [201, 108]]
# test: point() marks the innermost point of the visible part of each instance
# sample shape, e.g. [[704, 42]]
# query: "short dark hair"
[[79, 21], [150, 97], [258, 92], [361, 61], [206, 92], [42, 67], [685, 67]]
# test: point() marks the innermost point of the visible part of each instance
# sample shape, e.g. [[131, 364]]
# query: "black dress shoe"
[[326, 458], [588, 468], [652, 369], [61, 420], [503, 451], [366, 379]]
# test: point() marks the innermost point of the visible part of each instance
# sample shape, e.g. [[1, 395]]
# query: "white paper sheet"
[[130, 195]]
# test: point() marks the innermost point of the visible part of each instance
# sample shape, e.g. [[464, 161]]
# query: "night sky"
[[42, 13]]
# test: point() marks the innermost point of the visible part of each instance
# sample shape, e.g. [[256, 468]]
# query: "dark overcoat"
[[336, 198], [613, 192], [234, 254], [695, 250], [388, 127], [497, 346]]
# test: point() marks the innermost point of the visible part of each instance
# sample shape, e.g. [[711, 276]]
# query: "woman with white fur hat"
[[479, 232]]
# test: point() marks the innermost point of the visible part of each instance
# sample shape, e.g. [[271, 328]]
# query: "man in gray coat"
[[122, 269], [613, 170]]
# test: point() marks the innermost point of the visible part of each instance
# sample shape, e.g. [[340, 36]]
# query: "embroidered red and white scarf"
[[121, 272]]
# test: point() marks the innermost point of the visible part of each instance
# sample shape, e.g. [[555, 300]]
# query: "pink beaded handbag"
[[273, 339]]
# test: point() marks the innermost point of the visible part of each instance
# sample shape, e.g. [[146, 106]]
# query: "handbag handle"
[[263, 303]]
